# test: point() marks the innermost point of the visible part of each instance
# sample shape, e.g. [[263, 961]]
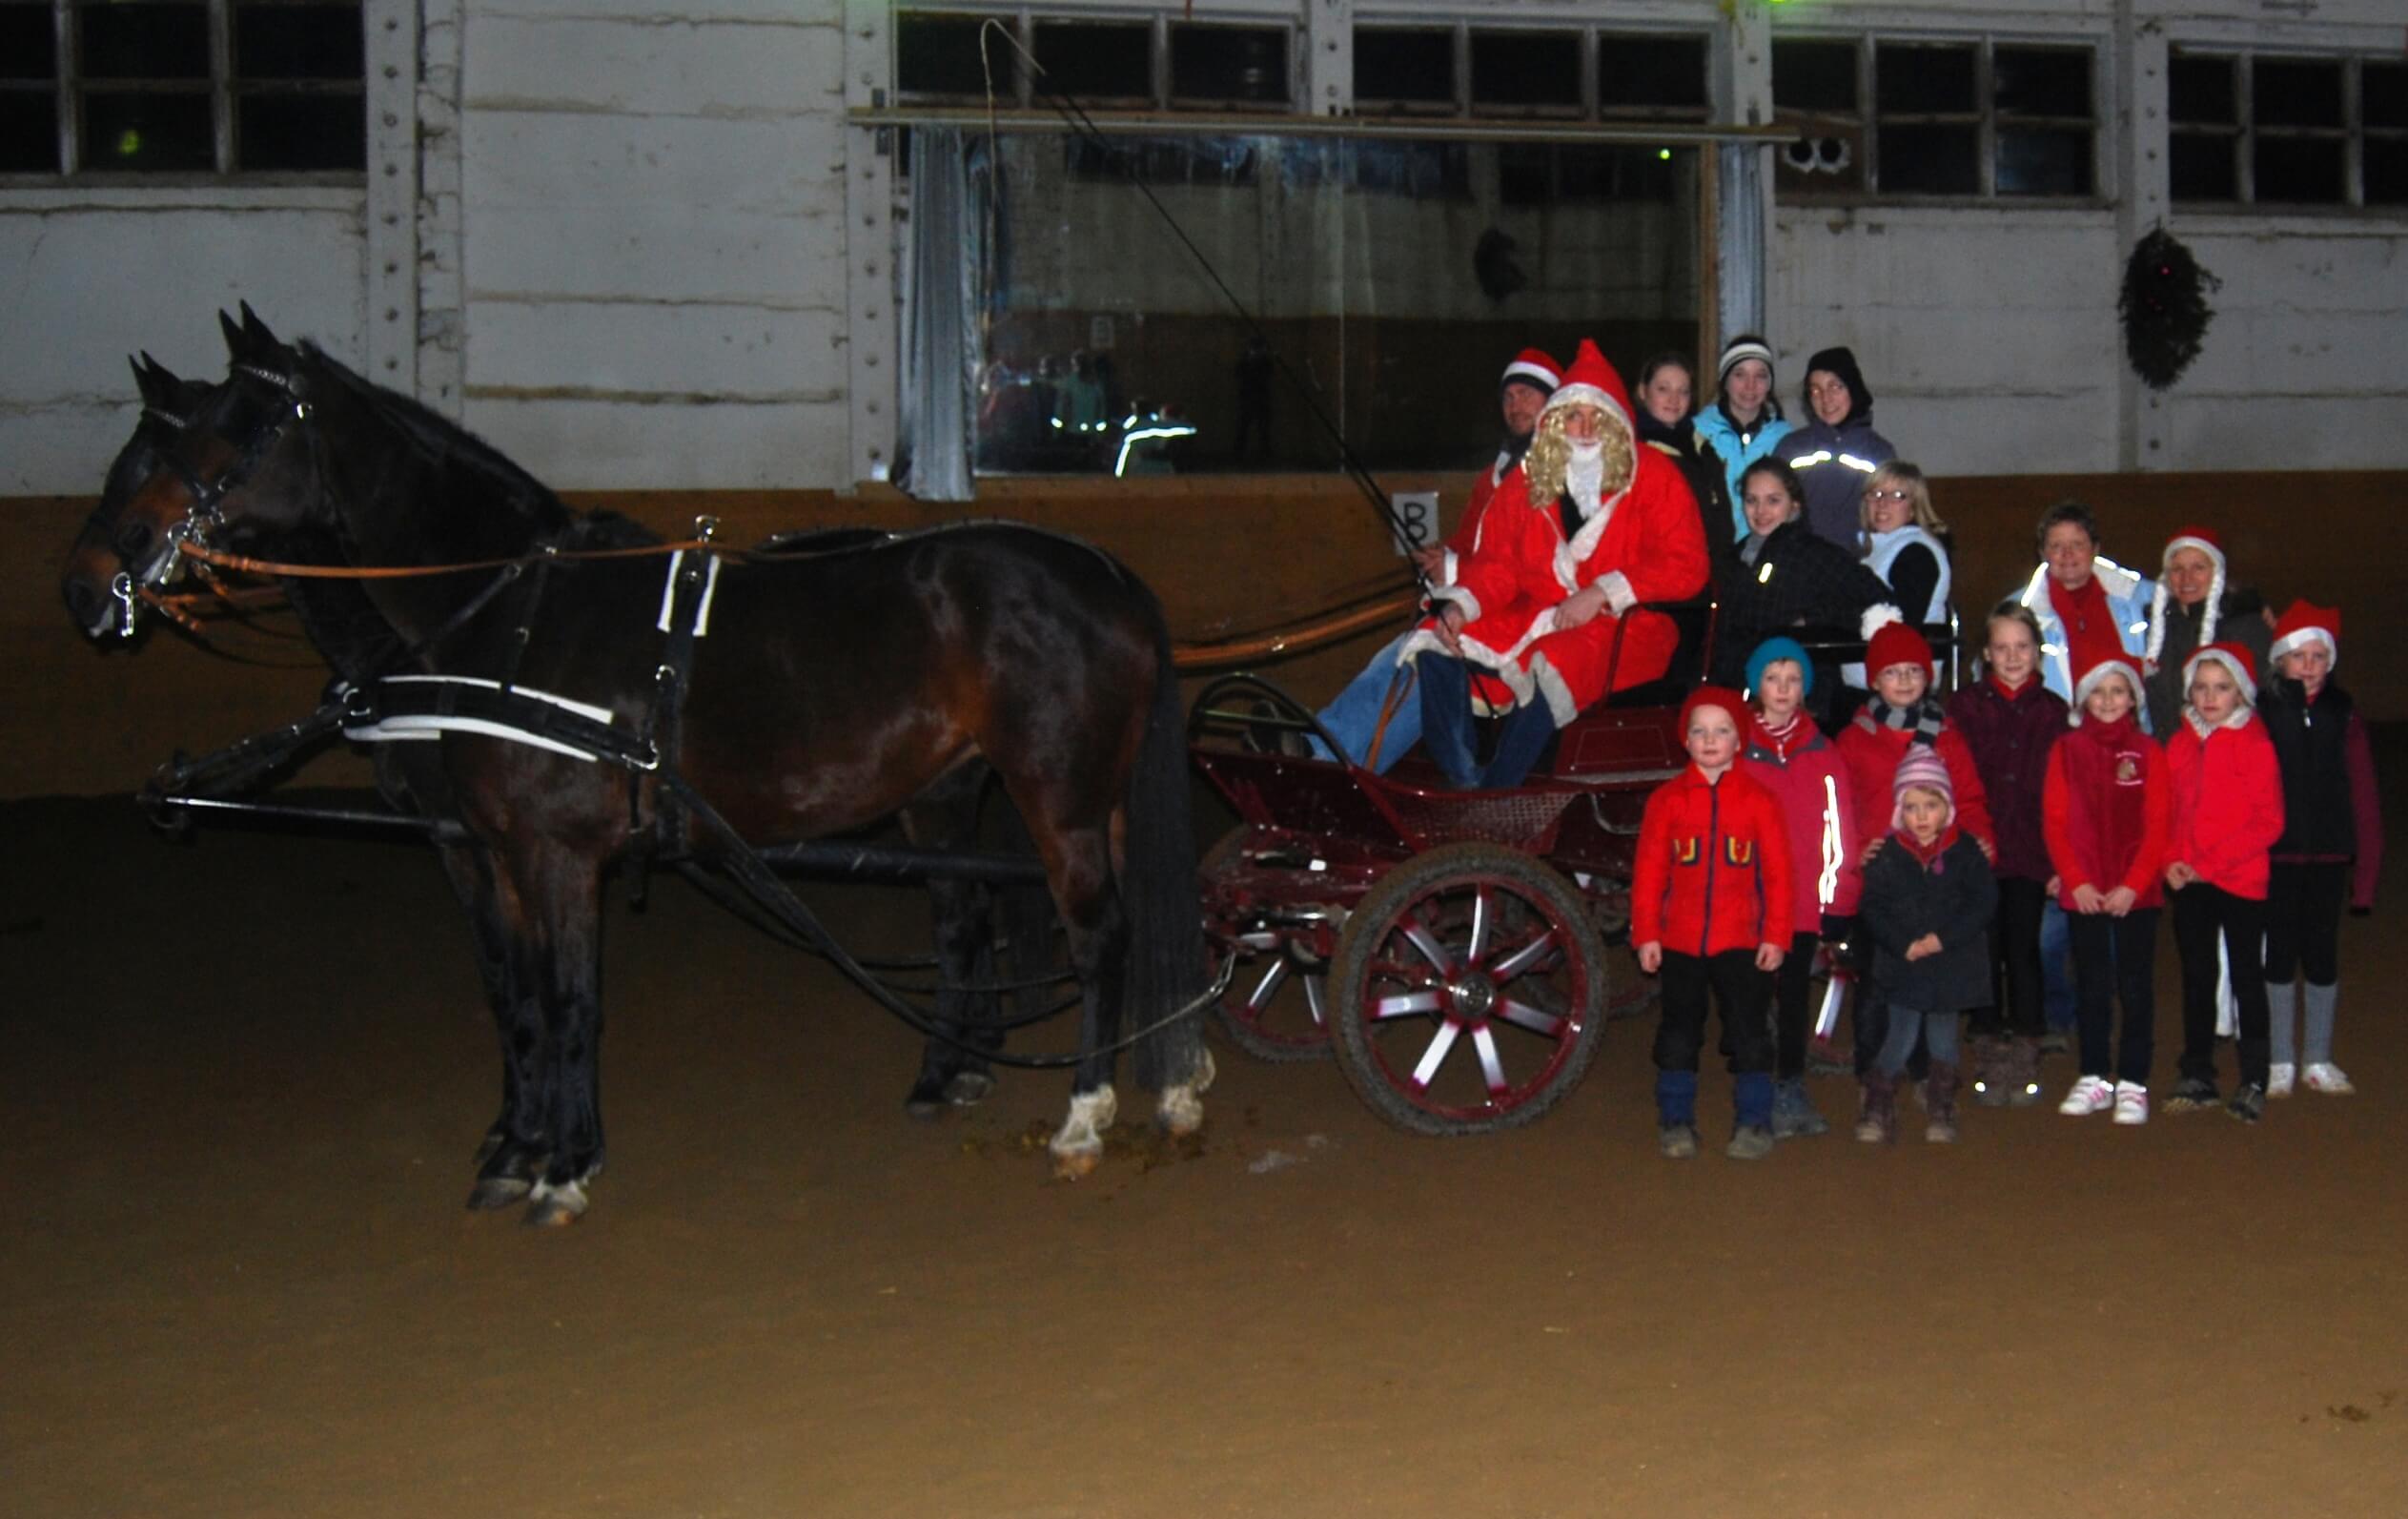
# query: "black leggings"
[[2303, 921], [1793, 1016], [2014, 956], [2204, 917]]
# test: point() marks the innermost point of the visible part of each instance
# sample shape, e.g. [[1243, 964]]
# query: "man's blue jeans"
[[1354, 716]]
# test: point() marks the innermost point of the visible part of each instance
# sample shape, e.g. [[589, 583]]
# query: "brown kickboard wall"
[[1228, 554]]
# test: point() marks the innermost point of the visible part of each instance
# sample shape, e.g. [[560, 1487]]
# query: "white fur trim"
[[1570, 553], [1520, 370], [1878, 616], [1461, 596], [2089, 681], [1618, 592], [1580, 393], [1449, 568], [1550, 685], [2299, 636], [2240, 677]]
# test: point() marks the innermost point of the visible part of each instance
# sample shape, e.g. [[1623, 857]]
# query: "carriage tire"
[[1503, 1029], [1267, 1010]]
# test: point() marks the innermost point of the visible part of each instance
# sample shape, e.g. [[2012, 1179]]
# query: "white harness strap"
[[669, 594], [411, 726]]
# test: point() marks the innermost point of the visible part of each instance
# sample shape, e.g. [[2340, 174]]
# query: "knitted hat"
[[2304, 622], [1738, 350], [2213, 546], [1920, 769], [1591, 382], [2233, 657], [1896, 643], [1842, 363], [2090, 682], [1773, 651], [1533, 368], [1722, 696]]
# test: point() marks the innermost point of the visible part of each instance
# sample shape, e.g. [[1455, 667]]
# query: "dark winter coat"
[[2239, 619], [1953, 896], [2011, 737], [1797, 581], [1833, 464], [1702, 470], [2330, 810]]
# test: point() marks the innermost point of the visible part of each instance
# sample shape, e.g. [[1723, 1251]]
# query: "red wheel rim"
[[1281, 999], [1474, 998]]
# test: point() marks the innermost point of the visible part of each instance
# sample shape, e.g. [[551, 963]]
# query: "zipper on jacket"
[[1713, 836]]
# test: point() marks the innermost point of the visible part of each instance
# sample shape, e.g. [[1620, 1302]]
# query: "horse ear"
[[235, 343], [153, 378], [257, 329]]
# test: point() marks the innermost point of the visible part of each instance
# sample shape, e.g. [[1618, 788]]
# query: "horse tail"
[[1167, 966]]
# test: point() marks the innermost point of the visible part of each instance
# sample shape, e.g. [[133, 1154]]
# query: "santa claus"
[[1591, 526]]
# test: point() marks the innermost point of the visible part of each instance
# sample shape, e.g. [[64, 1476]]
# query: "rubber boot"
[[1676, 1114], [1877, 1120], [1793, 1112], [1752, 1104], [1940, 1099]]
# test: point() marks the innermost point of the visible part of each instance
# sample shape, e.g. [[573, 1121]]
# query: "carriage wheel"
[[1469, 993], [1277, 1002]]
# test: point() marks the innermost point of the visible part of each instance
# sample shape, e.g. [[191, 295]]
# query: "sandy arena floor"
[[240, 1083]]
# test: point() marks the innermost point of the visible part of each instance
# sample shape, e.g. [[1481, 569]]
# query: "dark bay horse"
[[831, 690]]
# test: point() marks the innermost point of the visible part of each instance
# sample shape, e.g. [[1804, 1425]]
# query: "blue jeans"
[[1352, 716], [1447, 724], [1936, 1029]]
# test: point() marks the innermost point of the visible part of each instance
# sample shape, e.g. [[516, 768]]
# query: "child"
[[2011, 721], [1710, 907], [2227, 814], [2105, 810], [1927, 902], [2332, 840], [1900, 715], [1789, 756]]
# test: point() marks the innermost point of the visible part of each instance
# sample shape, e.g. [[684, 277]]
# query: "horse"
[[833, 689]]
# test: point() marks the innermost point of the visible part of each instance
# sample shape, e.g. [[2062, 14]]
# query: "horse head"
[[108, 543]]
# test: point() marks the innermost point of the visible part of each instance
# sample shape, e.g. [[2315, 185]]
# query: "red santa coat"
[[1645, 543], [1713, 869], [1465, 541], [2227, 803]]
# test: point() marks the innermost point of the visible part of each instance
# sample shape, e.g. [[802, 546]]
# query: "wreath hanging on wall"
[[2165, 309]]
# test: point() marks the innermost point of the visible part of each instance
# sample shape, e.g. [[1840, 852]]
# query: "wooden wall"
[[1227, 554]]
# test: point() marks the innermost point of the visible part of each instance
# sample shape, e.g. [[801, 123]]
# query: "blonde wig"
[[1550, 452]]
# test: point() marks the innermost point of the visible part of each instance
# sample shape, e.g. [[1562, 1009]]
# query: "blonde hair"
[[1543, 465], [1900, 475]]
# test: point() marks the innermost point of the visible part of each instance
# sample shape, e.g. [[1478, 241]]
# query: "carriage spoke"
[[1481, 909], [1522, 1016], [1435, 1055], [1525, 957], [1316, 996], [1490, 1066], [1269, 986], [1420, 936], [1406, 1005]]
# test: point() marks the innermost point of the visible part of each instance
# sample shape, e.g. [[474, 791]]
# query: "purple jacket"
[[2011, 737]]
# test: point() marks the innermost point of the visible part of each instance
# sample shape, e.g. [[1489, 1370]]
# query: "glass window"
[[2387, 171], [2044, 161], [1656, 76], [2383, 90], [28, 42], [29, 133], [1230, 65], [2204, 167], [939, 55], [1940, 159], [1814, 76], [2295, 93], [2201, 90], [1395, 67], [1916, 78], [1526, 72], [2301, 171], [143, 41], [1096, 61], [2041, 81], [127, 132], [298, 42]]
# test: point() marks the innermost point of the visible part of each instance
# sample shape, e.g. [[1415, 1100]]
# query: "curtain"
[[940, 348], [1740, 254]]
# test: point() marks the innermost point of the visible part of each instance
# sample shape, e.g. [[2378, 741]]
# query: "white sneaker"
[[2278, 1080], [2326, 1078], [2092, 1094], [2131, 1102]]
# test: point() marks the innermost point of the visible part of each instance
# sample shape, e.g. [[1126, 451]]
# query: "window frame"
[[1865, 124], [68, 88], [2242, 134]]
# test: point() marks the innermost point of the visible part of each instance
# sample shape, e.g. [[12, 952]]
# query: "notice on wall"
[[1418, 513]]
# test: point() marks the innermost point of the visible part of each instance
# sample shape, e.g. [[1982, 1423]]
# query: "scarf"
[[2090, 634], [2207, 729], [2011, 692], [1929, 857], [1779, 741], [1924, 717]]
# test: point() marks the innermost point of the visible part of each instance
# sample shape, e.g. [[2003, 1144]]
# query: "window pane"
[[2202, 167], [2041, 81], [1095, 60], [1939, 160], [1245, 64], [2043, 161], [938, 56], [29, 133], [147, 134], [2302, 170], [1525, 69], [28, 46], [2289, 93], [1419, 170], [1814, 76], [298, 42], [1618, 173], [2201, 90], [2383, 94], [302, 132], [2387, 171], [1651, 73], [144, 41], [1412, 66], [1918, 78]]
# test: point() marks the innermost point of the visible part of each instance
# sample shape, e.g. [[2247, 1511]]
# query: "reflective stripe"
[[1821, 456], [1854, 462]]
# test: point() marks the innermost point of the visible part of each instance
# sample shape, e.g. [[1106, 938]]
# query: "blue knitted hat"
[[1779, 648]]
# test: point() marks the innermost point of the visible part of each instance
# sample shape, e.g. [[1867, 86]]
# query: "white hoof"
[[1079, 1143], [1181, 1110], [550, 1206]]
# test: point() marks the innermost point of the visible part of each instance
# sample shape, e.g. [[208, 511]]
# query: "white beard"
[[1584, 475]]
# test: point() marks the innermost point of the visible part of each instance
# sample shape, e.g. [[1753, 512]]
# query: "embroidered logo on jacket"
[[1738, 852], [2127, 768], [1685, 851]]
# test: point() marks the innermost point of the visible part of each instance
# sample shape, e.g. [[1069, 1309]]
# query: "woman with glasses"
[[1902, 543]]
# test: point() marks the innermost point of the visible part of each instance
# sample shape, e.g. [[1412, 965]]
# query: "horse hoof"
[[1180, 1112], [552, 1207], [495, 1192], [1079, 1146], [925, 1106], [491, 1147], [1076, 1166], [968, 1088]]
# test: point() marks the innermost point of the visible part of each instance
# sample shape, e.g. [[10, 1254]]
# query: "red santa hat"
[[1920, 769], [1729, 701], [2305, 622], [2206, 543], [2233, 657], [1894, 642], [2098, 672], [1591, 382], [1533, 368]]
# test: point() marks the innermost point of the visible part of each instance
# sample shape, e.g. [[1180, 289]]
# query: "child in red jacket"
[[1710, 907], [1789, 756], [2227, 816], [2104, 811]]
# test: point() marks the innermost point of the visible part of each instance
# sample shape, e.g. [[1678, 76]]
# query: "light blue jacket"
[[1714, 430], [2128, 596]]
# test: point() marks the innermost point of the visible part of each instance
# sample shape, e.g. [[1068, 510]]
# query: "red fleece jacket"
[[1713, 868]]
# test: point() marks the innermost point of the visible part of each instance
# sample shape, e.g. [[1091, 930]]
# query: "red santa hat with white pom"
[[2306, 623]]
